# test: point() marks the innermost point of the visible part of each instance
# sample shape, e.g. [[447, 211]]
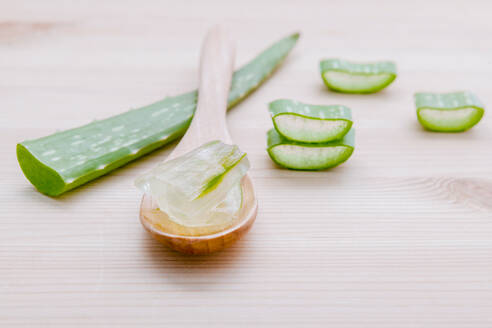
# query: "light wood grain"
[[398, 236]]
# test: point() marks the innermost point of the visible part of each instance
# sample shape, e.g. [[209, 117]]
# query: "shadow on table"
[[193, 272]]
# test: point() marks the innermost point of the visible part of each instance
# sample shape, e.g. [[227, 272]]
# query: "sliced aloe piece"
[[300, 122], [343, 76], [304, 156], [68, 159], [199, 188], [448, 112]]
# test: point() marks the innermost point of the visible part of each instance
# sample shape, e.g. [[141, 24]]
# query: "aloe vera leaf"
[[448, 112], [308, 156], [68, 159], [301, 122], [349, 77]]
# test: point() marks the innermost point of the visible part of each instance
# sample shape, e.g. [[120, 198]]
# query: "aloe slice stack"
[[310, 123], [68, 159], [309, 137], [349, 77], [448, 112]]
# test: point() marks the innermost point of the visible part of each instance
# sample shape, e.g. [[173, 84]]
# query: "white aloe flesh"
[[349, 77], [199, 189], [449, 112], [302, 156], [355, 82], [222, 221], [301, 122]]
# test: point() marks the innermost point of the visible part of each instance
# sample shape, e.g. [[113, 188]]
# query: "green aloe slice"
[[68, 159], [300, 122], [304, 156], [200, 187], [448, 112], [343, 76]]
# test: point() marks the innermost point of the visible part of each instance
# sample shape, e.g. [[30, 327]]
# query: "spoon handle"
[[216, 68]]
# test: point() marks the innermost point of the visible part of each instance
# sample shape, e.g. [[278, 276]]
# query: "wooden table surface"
[[398, 236]]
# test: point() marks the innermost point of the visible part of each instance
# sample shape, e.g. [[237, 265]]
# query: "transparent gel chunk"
[[201, 187]]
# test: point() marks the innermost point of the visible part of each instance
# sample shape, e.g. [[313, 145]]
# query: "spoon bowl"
[[207, 243]]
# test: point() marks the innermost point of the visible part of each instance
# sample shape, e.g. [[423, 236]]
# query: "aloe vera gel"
[[199, 189], [448, 112]]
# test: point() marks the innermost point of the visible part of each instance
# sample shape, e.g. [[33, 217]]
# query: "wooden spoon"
[[209, 123]]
